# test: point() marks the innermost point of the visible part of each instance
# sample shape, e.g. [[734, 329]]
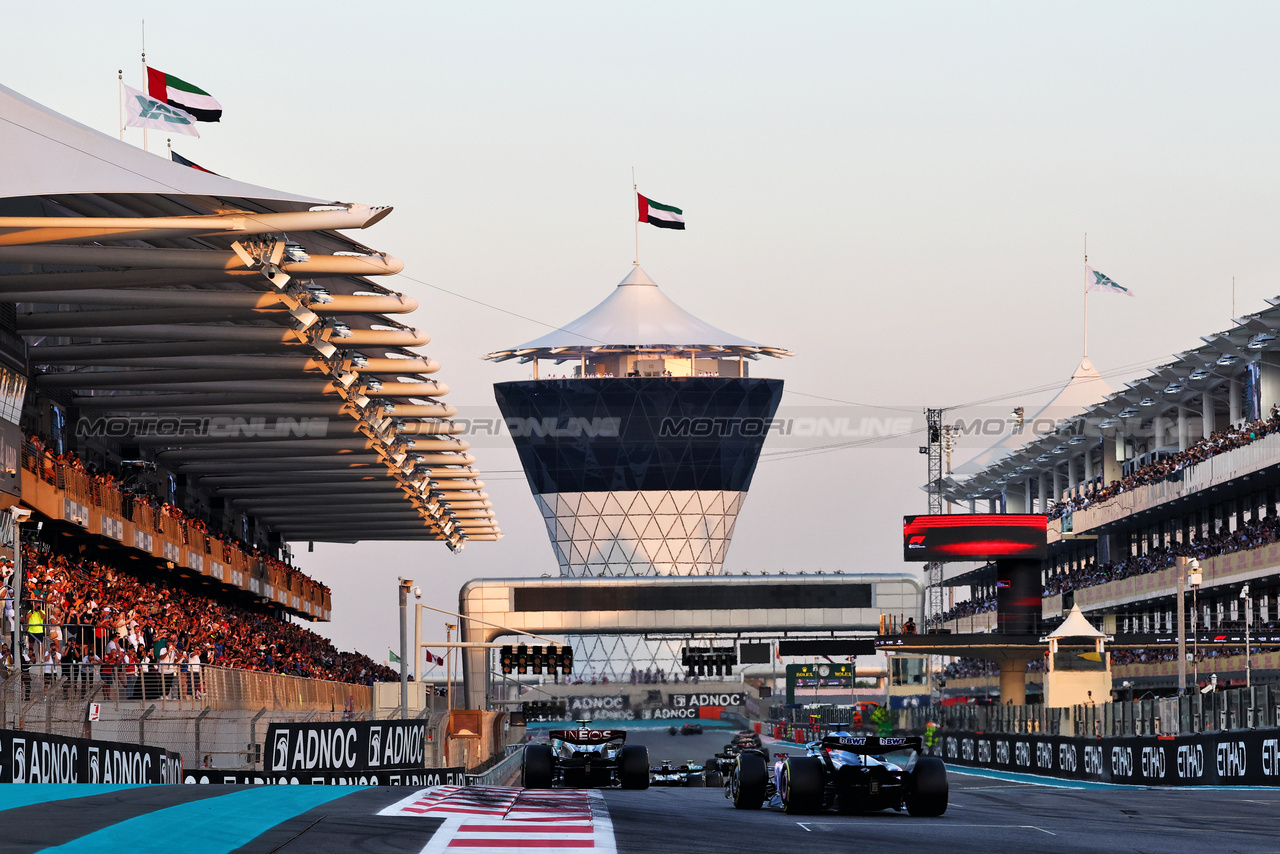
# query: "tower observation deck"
[[640, 446]]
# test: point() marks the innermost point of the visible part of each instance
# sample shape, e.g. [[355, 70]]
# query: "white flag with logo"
[[143, 111]]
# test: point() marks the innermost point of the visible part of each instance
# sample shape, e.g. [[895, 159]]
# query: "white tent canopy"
[[636, 316]]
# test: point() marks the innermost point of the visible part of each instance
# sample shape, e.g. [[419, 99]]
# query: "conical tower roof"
[[637, 316], [1085, 388]]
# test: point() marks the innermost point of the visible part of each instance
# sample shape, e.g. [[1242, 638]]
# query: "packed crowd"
[[91, 613], [1250, 535], [974, 668], [969, 607], [48, 462], [1218, 442]]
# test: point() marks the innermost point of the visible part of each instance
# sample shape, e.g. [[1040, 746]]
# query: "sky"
[[898, 192]]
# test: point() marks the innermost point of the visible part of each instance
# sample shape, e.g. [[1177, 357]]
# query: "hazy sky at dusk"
[[896, 191]]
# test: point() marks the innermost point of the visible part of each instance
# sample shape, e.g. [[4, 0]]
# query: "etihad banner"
[[27, 757], [417, 778], [1232, 758], [299, 748]]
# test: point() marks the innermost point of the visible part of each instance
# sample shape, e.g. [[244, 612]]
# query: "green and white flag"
[[1095, 281], [143, 111]]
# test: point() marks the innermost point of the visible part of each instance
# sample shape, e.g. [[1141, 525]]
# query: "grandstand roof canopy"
[[245, 341], [636, 317], [1206, 378]]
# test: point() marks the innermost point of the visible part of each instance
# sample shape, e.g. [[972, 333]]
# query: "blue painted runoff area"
[[214, 825], [14, 795]]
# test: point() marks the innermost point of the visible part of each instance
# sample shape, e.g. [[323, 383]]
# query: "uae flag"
[[179, 93], [663, 216], [182, 161]]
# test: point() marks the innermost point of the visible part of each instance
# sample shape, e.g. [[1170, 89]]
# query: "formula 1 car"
[[585, 758], [849, 773], [688, 774]]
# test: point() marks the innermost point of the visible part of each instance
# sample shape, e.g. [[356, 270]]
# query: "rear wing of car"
[[872, 745], [588, 736]]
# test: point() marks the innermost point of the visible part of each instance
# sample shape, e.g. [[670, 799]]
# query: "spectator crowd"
[[83, 611], [1220, 441], [1250, 535]]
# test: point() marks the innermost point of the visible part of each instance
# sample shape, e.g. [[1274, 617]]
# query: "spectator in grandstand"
[[1236, 436]]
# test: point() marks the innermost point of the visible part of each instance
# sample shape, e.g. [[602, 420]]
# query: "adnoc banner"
[[27, 757], [342, 748], [1233, 758], [418, 777]]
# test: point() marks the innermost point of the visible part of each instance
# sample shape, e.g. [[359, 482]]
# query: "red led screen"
[[974, 536]]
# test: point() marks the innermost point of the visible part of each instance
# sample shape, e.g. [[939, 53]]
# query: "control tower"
[[639, 433]]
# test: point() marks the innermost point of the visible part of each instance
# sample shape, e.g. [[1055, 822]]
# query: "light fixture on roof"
[[1201, 373], [319, 294], [1227, 359], [1147, 401], [1042, 458], [1075, 440], [1261, 340], [1173, 388], [1128, 412], [1061, 449], [340, 329], [373, 384], [1108, 422]]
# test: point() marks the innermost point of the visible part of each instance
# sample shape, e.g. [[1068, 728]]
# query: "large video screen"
[[974, 536]]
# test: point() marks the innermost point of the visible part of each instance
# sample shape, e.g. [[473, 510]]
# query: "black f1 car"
[[849, 773], [585, 758], [685, 774]]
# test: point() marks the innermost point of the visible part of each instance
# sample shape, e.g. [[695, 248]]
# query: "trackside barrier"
[[418, 778], [1250, 758], [504, 773], [39, 758], [1234, 709]]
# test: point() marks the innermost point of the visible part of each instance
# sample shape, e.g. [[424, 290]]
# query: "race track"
[[988, 813]]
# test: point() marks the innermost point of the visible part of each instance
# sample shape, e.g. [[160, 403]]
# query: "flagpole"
[[635, 195], [1086, 295], [144, 77], [120, 98]]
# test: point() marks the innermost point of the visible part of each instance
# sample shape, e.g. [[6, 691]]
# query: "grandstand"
[[197, 374], [1184, 462]]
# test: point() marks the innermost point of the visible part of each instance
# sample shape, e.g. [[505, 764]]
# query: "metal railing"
[[177, 688], [1233, 709]]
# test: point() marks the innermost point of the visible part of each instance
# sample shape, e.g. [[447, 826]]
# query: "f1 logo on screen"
[[975, 536]]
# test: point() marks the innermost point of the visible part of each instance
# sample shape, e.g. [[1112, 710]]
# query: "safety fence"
[[1233, 709], [179, 686]]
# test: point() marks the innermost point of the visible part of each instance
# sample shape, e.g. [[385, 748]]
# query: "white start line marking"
[[480, 819]]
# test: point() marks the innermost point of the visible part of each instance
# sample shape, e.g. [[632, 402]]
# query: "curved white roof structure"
[[141, 288], [74, 159], [637, 316]]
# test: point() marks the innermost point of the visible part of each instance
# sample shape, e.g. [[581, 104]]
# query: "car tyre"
[[633, 766], [536, 766], [802, 785], [927, 788], [748, 780], [714, 778], [697, 781]]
